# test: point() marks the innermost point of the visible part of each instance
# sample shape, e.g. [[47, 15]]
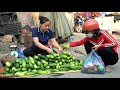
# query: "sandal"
[[108, 70]]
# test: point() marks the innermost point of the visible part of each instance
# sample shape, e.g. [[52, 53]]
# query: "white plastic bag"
[[93, 64]]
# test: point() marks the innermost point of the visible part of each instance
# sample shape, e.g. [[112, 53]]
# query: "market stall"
[[42, 65]]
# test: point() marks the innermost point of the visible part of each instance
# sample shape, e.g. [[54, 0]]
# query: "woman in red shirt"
[[100, 40]]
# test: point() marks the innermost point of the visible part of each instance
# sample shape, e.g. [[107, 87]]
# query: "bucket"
[[20, 52]]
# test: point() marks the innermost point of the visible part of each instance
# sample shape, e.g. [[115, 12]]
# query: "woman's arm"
[[79, 42], [109, 40], [55, 44], [39, 45]]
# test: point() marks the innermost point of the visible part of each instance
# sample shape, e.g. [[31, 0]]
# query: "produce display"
[[41, 65]]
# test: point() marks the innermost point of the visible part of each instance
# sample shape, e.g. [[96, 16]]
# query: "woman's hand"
[[60, 49], [49, 50], [96, 47]]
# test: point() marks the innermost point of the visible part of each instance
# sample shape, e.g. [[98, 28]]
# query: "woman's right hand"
[[49, 50], [68, 44]]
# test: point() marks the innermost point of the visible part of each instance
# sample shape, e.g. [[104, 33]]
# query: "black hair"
[[96, 33], [43, 19]]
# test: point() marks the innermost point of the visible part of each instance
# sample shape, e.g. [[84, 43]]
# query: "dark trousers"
[[108, 55], [34, 51]]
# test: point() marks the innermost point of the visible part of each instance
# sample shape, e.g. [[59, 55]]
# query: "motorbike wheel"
[[78, 29]]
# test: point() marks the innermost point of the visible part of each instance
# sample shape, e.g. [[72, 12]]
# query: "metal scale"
[[14, 50]]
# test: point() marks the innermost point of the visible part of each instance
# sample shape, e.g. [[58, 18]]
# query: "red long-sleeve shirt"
[[104, 40]]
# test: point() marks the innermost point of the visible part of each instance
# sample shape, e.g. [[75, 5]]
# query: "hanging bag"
[[93, 64]]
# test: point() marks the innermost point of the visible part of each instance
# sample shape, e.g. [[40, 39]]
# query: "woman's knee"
[[111, 59], [107, 51], [115, 59], [27, 51]]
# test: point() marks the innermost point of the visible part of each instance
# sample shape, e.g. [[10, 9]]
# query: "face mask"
[[89, 35]]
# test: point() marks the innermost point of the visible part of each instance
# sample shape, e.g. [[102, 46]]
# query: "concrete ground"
[[82, 55]]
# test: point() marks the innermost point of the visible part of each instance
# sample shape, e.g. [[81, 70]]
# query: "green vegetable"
[[31, 59], [19, 74], [23, 63], [64, 46], [36, 57], [52, 64], [64, 69], [41, 72], [65, 66], [8, 64]]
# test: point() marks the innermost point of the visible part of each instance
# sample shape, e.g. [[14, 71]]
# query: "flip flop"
[[108, 70]]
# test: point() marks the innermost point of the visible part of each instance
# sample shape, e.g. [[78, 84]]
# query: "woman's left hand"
[[60, 49], [96, 47]]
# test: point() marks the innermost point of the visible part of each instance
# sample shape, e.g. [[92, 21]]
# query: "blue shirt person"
[[41, 35]]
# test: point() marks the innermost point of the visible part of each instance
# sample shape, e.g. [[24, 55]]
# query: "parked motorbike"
[[78, 24]]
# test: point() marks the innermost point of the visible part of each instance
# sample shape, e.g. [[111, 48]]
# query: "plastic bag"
[[93, 64]]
